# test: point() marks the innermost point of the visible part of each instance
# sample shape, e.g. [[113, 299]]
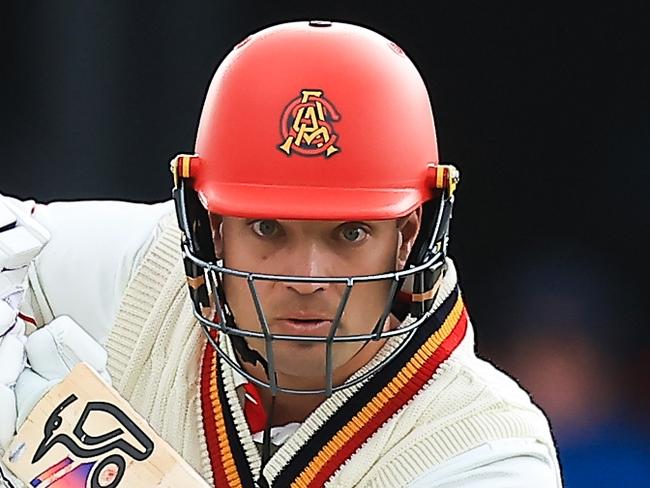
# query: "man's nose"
[[308, 261], [307, 287]]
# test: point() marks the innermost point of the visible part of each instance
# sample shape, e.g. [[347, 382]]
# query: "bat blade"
[[84, 434]]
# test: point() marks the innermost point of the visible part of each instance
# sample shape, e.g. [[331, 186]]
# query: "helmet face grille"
[[411, 294]]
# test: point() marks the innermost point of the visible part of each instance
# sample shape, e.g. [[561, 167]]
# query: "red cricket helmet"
[[316, 120]]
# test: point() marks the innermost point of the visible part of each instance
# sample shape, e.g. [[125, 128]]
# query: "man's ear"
[[408, 228], [216, 223]]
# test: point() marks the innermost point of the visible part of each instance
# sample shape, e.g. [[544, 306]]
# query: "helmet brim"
[[309, 203]]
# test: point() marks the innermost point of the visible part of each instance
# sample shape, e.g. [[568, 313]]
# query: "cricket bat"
[[84, 434]]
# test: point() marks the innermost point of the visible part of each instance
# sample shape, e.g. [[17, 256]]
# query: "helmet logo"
[[306, 125]]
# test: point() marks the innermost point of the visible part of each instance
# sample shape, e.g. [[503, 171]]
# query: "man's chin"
[[305, 359]]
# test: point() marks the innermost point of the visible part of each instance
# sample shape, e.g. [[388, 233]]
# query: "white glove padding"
[[12, 359], [52, 352], [21, 236], [11, 300], [12, 363], [21, 239], [30, 388], [7, 480], [8, 416], [8, 316]]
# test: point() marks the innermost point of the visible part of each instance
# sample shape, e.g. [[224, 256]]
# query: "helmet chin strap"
[[249, 355]]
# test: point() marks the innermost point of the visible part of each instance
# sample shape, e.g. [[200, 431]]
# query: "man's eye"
[[265, 228], [354, 234]]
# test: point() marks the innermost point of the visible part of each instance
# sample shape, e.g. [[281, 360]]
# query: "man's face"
[[310, 248]]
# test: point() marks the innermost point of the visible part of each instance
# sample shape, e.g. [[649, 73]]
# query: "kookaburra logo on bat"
[[106, 472]]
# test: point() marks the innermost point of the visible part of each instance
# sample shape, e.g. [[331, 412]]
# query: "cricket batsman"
[[291, 318]]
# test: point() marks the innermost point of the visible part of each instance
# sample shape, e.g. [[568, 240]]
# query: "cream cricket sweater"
[[155, 349]]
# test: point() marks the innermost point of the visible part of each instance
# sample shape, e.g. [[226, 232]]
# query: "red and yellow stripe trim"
[[401, 389], [224, 469], [183, 166]]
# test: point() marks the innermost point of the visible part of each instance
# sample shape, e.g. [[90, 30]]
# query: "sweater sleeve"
[[94, 249], [505, 463]]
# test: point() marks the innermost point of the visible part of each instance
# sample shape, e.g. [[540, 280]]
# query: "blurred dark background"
[[543, 107]]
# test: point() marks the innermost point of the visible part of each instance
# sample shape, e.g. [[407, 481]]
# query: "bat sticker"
[[106, 472]]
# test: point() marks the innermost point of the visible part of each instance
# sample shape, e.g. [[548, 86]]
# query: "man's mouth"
[[303, 326]]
